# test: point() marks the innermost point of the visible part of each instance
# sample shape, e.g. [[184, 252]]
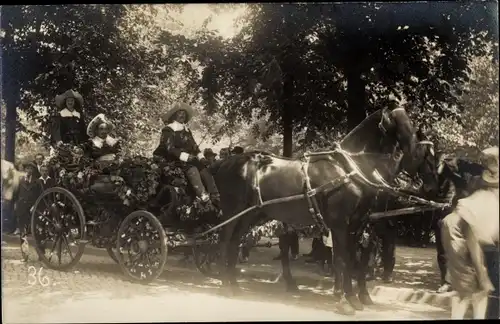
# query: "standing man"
[[472, 226], [210, 155], [224, 153], [39, 159], [28, 193]]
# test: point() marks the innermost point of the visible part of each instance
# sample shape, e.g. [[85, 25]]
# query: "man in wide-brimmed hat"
[[178, 144], [68, 125], [472, 226], [210, 155], [103, 147]]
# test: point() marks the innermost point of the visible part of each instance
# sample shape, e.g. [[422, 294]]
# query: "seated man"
[[104, 149], [177, 144], [102, 146], [473, 225]]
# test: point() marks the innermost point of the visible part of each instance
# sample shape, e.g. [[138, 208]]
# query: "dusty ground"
[[96, 291]]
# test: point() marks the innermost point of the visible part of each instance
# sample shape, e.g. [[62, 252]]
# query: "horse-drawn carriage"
[[112, 207]]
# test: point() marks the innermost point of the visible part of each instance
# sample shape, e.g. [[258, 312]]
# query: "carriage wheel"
[[141, 247], [58, 227], [206, 258]]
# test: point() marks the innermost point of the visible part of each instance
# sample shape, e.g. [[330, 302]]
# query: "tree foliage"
[[50, 49], [326, 66]]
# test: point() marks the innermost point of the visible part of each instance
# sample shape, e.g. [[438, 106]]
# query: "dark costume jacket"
[[99, 148], [177, 143], [27, 195], [44, 184], [68, 127]]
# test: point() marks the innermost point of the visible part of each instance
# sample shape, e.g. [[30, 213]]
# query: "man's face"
[[102, 131], [70, 103], [211, 158], [44, 171], [29, 170], [39, 159], [181, 116], [224, 154]]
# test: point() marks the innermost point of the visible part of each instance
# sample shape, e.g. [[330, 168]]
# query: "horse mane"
[[352, 141]]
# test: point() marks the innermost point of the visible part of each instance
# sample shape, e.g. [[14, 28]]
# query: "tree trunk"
[[287, 117], [287, 135], [356, 95], [10, 131]]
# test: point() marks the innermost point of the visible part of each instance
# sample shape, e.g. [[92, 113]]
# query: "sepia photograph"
[[232, 162]]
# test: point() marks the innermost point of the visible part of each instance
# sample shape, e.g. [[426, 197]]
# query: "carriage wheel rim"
[[140, 266], [52, 232]]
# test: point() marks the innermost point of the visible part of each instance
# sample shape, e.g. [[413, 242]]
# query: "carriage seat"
[[106, 184]]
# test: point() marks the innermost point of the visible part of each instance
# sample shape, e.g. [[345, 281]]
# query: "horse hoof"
[[336, 298], [343, 307], [354, 301], [365, 299]]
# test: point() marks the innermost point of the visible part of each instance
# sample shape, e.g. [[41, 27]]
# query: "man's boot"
[[194, 178]]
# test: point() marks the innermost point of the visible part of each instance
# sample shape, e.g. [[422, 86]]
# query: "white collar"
[[66, 113], [44, 180], [176, 126], [98, 142]]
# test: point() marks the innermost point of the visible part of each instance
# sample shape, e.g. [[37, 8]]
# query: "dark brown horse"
[[251, 178]]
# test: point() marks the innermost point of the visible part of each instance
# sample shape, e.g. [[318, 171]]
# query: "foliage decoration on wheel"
[[58, 227], [141, 247]]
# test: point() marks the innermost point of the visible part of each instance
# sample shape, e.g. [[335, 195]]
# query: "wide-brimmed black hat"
[[209, 152], [61, 99], [237, 150]]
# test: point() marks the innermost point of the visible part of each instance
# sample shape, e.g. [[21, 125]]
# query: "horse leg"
[[342, 268], [337, 288], [363, 294], [224, 243], [241, 227], [285, 242], [352, 246]]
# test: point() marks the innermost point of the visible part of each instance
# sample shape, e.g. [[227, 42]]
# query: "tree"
[[479, 121], [319, 60], [49, 49]]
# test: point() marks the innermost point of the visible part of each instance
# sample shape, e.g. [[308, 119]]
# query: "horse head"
[[387, 131]]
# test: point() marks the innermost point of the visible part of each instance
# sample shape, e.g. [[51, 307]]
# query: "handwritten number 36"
[[35, 277]]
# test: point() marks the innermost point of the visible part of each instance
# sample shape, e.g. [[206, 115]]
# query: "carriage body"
[[110, 206]]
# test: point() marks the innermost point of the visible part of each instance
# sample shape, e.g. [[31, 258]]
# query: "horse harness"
[[311, 193]]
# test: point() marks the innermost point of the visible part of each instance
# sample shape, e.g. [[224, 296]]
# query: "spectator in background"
[[39, 159], [44, 182], [293, 238], [28, 194], [210, 155], [224, 153]]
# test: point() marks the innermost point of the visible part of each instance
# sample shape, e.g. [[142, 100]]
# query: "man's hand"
[[58, 144]]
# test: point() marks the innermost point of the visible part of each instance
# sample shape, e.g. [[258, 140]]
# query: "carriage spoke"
[[53, 248], [59, 249], [68, 247]]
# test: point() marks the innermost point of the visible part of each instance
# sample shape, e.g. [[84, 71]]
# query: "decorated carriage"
[[135, 208]]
